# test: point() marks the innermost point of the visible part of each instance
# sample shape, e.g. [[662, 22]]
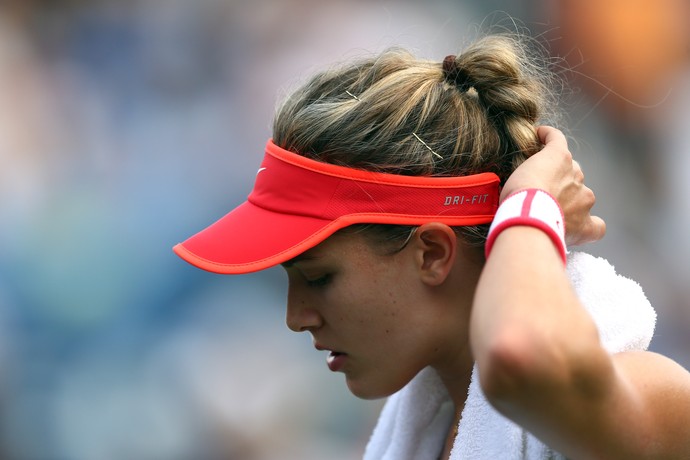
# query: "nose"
[[301, 316]]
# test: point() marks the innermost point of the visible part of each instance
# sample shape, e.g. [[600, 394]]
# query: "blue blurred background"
[[126, 126]]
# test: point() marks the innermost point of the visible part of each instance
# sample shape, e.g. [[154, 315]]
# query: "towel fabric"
[[414, 422]]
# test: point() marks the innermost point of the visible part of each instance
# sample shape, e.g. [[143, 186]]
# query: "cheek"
[[381, 306], [390, 307], [394, 341], [386, 369]]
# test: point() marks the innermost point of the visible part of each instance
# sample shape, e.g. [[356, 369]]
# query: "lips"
[[335, 359]]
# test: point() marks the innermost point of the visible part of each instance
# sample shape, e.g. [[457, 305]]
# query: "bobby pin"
[[426, 145], [352, 95]]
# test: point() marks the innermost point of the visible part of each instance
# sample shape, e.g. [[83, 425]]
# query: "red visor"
[[298, 202]]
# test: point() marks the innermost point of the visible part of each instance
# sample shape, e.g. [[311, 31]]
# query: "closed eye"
[[320, 281]]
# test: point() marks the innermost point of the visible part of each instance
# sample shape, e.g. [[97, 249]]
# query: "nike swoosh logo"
[[260, 169]]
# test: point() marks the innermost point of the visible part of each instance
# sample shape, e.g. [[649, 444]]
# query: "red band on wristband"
[[533, 208]]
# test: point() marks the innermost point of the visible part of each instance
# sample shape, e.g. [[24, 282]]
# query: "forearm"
[[537, 349], [528, 327]]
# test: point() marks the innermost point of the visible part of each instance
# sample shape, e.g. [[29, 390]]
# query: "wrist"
[[534, 208]]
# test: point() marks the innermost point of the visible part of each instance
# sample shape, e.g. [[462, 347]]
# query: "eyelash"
[[319, 282]]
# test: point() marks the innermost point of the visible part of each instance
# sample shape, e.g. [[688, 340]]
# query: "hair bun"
[[456, 75]]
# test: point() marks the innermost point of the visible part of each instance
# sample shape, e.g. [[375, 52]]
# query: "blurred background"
[[127, 125]]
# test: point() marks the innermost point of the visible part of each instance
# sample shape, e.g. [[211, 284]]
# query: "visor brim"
[[251, 238]]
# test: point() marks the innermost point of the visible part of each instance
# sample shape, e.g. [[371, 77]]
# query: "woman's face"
[[373, 312]]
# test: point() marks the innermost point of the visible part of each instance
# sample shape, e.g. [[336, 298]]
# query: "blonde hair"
[[395, 113]]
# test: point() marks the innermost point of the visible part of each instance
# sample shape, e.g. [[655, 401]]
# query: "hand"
[[553, 170]]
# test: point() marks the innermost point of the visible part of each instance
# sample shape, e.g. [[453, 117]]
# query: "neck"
[[457, 386], [457, 379], [455, 371], [456, 361]]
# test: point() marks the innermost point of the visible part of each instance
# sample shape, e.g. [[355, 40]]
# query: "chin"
[[370, 390]]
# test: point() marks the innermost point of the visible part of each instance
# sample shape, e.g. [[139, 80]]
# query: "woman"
[[375, 195]]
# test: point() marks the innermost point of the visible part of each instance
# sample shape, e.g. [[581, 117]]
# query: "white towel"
[[414, 421]]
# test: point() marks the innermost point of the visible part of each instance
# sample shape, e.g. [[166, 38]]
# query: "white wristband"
[[532, 207]]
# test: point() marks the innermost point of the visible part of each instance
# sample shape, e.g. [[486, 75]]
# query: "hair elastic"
[[455, 74]]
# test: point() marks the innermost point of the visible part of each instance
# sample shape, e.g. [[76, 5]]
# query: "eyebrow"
[[299, 258]]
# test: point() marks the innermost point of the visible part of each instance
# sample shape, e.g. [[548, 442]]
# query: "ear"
[[436, 248]]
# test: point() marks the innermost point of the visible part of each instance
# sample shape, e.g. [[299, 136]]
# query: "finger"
[[597, 228], [549, 135], [579, 174], [593, 230]]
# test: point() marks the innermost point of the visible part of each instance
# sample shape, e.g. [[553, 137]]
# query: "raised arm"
[[538, 351]]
